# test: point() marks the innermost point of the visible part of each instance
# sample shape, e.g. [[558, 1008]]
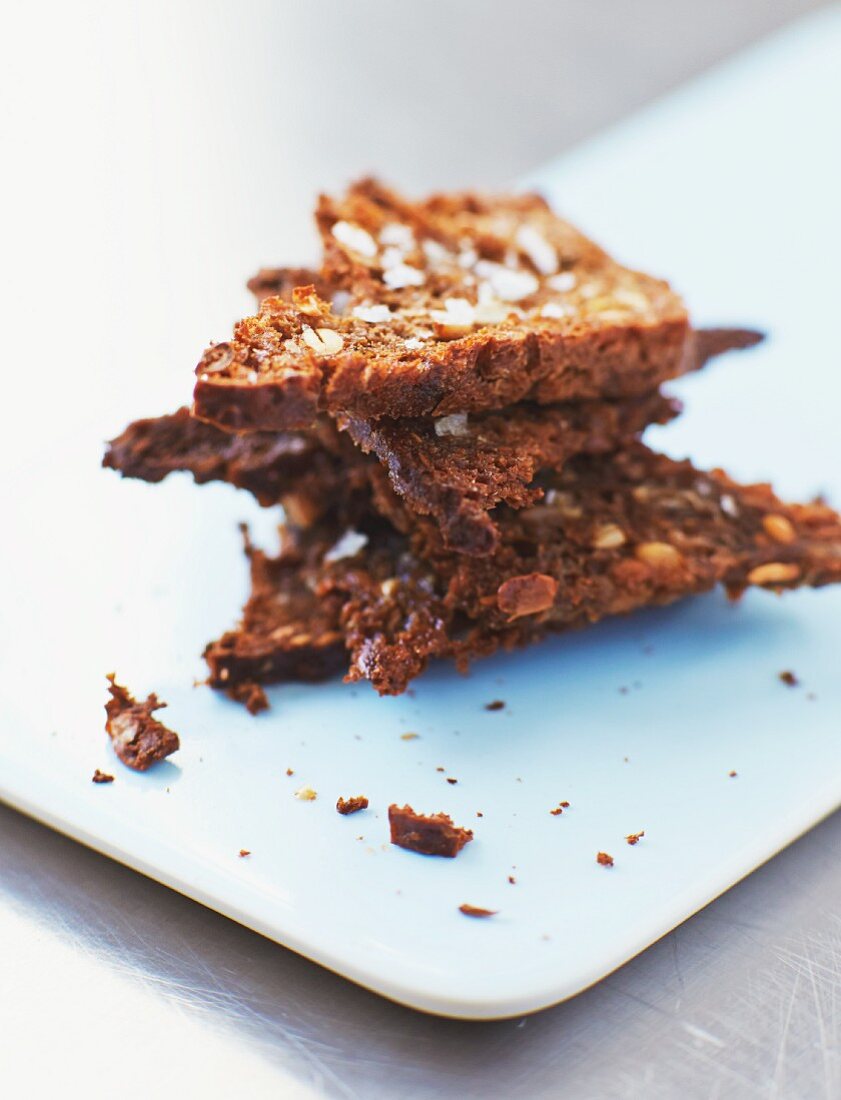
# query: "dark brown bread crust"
[[633, 530], [139, 740], [274, 282], [454, 471], [255, 382], [611, 535], [318, 606], [287, 632], [458, 470], [267, 464], [580, 327], [309, 472], [276, 390], [707, 343], [429, 834]]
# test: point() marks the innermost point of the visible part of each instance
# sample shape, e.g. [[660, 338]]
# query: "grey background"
[[741, 1001]]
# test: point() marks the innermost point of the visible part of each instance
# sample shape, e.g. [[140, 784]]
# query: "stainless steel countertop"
[[109, 982]]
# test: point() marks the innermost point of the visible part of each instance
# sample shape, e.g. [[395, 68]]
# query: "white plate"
[[108, 575]]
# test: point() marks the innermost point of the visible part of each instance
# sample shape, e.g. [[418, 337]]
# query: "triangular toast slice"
[[459, 303], [611, 535], [455, 469]]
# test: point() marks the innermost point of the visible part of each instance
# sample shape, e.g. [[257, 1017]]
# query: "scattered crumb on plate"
[[476, 911], [352, 805], [139, 740], [429, 834]]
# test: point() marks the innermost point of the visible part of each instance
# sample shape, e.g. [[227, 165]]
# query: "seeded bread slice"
[[457, 468], [611, 535], [631, 529], [271, 282], [458, 304], [454, 468]]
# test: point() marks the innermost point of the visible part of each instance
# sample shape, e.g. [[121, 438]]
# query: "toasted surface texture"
[[139, 739], [458, 468], [308, 472], [268, 464], [632, 530], [610, 535], [458, 303], [454, 469], [287, 632]]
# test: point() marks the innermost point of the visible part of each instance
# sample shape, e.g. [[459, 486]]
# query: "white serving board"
[[729, 187]]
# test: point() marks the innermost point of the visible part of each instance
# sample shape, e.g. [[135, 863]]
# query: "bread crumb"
[[497, 704], [409, 736], [251, 695], [244, 852], [306, 794], [352, 805], [476, 911], [101, 777], [429, 834], [139, 739], [635, 838], [788, 678], [604, 860]]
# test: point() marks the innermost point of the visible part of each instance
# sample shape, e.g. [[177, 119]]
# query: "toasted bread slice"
[[611, 535], [455, 469], [458, 304], [458, 468]]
